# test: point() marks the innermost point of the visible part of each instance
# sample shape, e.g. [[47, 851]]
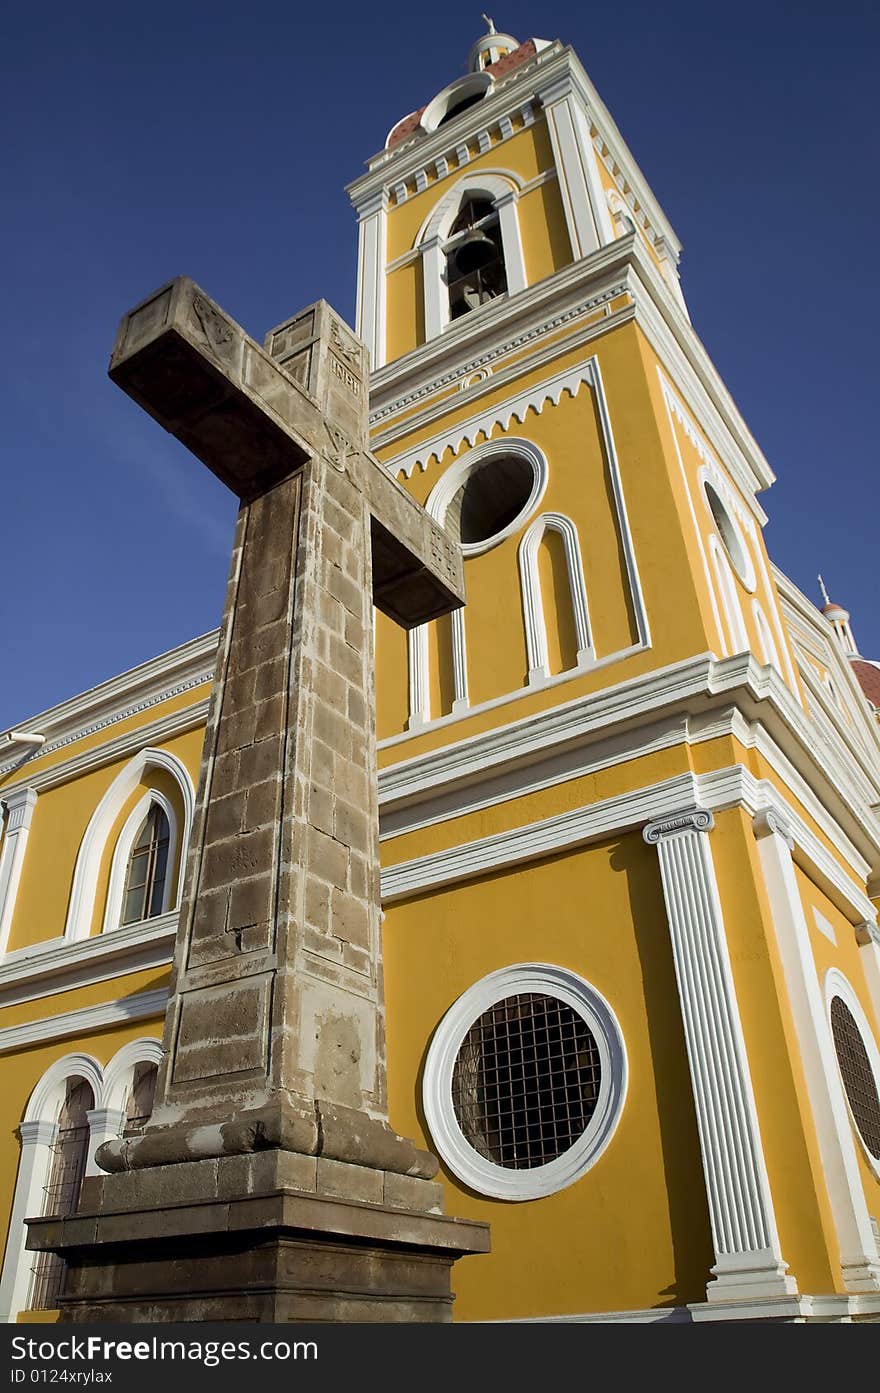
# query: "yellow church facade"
[[628, 794]]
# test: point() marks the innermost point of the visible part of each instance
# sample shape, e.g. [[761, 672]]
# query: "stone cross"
[[274, 1033]]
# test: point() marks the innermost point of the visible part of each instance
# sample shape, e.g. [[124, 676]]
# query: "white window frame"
[[438, 501], [456, 1151], [533, 600], [122, 854], [837, 985], [741, 563], [502, 188], [94, 842]]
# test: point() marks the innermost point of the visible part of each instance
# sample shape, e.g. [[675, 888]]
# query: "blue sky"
[[214, 139]]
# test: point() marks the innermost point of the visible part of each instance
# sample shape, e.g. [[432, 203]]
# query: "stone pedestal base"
[[272, 1236]]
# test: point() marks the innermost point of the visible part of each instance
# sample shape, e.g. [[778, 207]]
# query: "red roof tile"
[[868, 677], [504, 65]]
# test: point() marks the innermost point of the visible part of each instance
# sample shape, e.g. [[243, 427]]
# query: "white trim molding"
[[122, 852], [858, 1249], [476, 1170], [748, 1260], [83, 1020], [370, 312], [20, 806], [85, 876], [534, 616], [37, 1132]]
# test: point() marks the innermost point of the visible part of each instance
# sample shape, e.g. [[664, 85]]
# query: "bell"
[[474, 253]]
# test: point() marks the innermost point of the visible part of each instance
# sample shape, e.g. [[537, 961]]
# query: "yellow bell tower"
[[628, 794], [603, 809]]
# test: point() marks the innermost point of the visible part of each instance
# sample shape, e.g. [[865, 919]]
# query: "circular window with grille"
[[488, 494], [525, 1081], [858, 1059]]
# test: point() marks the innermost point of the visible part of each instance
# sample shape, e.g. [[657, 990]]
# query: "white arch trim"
[[770, 653], [735, 640], [120, 1071], [122, 852], [496, 184], [88, 862], [533, 602], [44, 1104], [470, 85], [38, 1130]]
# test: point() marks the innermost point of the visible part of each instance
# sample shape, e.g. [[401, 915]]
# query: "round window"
[[730, 535], [525, 1081], [491, 498], [858, 1076], [488, 494]]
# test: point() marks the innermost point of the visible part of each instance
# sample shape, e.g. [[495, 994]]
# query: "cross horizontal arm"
[[245, 415]]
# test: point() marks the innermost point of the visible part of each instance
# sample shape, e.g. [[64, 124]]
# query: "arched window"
[[94, 844], [139, 1105], [68, 1166], [479, 211], [534, 614], [474, 252], [147, 870]]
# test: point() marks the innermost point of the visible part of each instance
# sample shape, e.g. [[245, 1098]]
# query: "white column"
[[19, 811], [372, 258], [461, 701], [858, 1248], [37, 1140], [586, 211], [105, 1124], [419, 693], [748, 1262], [511, 241], [435, 288]]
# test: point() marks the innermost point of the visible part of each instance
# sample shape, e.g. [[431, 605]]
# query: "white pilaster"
[[461, 701], [858, 1248], [19, 811], [372, 257], [37, 1140], [419, 692], [436, 291], [748, 1262], [105, 1124], [586, 211]]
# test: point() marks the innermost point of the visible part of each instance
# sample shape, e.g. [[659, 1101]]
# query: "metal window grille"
[[139, 1107], [526, 1081], [857, 1074], [66, 1171]]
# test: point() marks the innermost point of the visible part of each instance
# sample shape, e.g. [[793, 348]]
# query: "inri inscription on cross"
[[274, 1034]]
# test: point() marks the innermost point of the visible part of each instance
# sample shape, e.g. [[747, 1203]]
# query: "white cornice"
[[118, 747], [420, 150], [83, 1021], [478, 338], [160, 679], [58, 965], [551, 70]]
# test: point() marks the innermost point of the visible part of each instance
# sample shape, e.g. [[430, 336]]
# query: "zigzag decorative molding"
[[516, 408], [537, 331]]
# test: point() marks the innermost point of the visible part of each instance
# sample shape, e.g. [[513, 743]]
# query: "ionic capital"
[[768, 822], [688, 820]]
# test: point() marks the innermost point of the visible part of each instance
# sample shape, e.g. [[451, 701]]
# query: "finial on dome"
[[490, 47], [838, 618]]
